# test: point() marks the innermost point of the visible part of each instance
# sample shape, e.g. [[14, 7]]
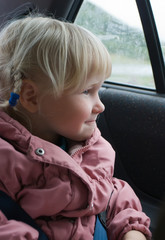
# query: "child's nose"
[[98, 107]]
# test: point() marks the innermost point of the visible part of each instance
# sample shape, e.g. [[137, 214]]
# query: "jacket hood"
[[14, 132], [21, 138]]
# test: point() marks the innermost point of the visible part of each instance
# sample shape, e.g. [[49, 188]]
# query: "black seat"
[[134, 124]]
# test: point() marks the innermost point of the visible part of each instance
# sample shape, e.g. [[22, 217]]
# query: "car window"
[[117, 24], [158, 7]]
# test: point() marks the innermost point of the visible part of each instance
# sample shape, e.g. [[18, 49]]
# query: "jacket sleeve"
[[125, 212], [14, 230]]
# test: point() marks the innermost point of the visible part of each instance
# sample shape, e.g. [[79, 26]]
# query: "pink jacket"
[[63, 192]]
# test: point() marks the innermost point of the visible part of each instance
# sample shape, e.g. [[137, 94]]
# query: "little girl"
[[54, 163]]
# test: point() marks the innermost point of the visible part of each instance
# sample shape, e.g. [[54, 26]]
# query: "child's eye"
[[86, 92]]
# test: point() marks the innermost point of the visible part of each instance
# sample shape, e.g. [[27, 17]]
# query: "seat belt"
[[13, 211]]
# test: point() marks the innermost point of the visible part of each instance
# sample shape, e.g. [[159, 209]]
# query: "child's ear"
[[29, 96]]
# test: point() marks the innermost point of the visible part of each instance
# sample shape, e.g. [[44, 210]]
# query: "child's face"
[[73, 115]]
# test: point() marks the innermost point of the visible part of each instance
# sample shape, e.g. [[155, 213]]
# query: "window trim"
[[74, 10], [153, 43]]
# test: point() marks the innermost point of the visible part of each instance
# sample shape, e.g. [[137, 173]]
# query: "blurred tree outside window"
[[117, 24]]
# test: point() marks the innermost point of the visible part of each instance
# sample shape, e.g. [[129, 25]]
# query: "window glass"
[[158, 7], [117, 24]]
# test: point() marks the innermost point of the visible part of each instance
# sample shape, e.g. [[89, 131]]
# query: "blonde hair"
[[66, 54]]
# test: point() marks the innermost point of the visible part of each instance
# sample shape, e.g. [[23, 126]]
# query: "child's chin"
[[87, 135]]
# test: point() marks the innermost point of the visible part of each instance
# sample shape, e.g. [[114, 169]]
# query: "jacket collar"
[[15, 133]]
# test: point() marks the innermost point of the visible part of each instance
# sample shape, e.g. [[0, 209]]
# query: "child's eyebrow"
[[98, 83], [95, 85]]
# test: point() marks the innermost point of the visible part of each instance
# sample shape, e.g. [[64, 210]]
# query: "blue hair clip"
[[13, 99]]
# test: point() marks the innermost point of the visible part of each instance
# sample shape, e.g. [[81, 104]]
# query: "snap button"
[[40, 151], [90, 206]]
